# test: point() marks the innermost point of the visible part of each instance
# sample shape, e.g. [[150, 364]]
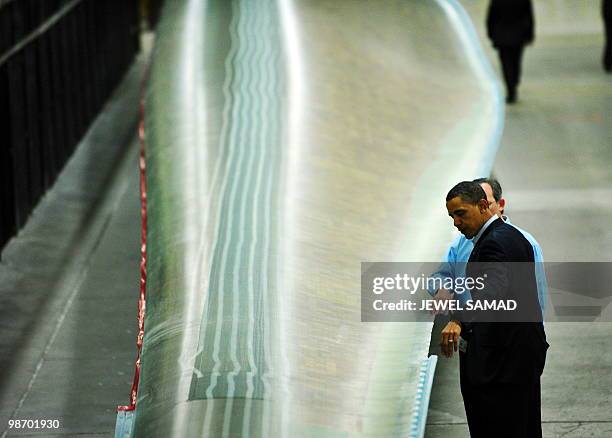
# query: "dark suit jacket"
[[504, 352], [510, 23]]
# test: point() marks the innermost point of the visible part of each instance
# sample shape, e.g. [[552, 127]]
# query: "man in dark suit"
[[502, 355], [510, 26]]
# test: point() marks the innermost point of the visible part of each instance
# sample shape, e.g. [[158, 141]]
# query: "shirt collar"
[[484, 227]]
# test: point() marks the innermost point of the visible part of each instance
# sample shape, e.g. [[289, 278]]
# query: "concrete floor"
[[554, 166], [68, 290]]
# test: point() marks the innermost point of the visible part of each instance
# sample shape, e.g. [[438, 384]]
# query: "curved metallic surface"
[[288, 141]]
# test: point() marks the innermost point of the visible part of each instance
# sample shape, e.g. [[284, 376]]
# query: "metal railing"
[[59, 61]]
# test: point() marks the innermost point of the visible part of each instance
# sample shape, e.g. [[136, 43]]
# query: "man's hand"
[[442, 295], [450, 338]]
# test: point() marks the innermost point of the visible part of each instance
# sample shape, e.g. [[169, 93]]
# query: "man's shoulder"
[[508, 240], [504, 234], [527, 235], [505, 231]]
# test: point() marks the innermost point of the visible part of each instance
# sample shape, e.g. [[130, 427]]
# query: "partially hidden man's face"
[[468, 217], [497, 208]]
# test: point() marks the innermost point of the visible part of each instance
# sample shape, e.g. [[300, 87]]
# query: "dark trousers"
[[511, 60], [503, 410], [607, 55]]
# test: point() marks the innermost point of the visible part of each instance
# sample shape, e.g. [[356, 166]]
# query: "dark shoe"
[[511, 97]]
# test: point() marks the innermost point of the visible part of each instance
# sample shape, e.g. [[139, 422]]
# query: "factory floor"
[[69, 289], [70, 278]]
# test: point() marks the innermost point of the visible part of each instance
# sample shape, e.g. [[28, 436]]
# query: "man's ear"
[[483, 205], [502, 204]]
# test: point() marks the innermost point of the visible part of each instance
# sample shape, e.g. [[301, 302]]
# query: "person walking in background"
[[510, 26], [606, 12]]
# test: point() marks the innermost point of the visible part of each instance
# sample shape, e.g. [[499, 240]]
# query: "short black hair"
[[468, 191], [495, 185]]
